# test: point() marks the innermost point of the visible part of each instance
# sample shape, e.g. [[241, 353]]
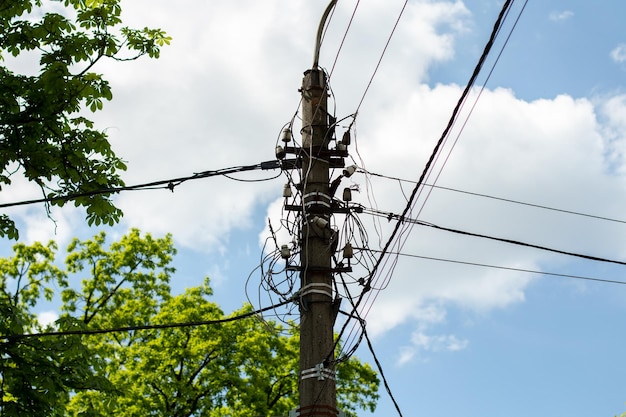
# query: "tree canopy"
[[242, 367], [44, 134]]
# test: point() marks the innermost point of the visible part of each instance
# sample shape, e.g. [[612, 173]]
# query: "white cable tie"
[[318, 372], [327, 289], [316, 203], [316, 194]]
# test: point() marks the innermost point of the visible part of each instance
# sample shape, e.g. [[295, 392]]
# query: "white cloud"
[[534, 151], [46, 318], [422, 343], [561, 15], [221, 92], [438, 343], [619, 53]]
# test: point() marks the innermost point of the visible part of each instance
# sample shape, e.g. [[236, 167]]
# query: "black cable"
[[455, 112], [380, 370], [506, 268], [146, 326], [162, 184], [498, 239], [367, 287]]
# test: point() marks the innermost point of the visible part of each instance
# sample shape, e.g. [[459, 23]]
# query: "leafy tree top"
[[44, 134], [242, 367]]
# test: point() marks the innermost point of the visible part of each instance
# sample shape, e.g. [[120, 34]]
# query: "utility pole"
[[317, 238], [317, 317], [317, 386]]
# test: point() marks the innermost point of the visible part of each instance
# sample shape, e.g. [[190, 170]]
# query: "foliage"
[[36, 375], [43, 132], [243, 367]]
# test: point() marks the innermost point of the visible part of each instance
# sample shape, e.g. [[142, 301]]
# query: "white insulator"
[[286, 135], [348, 171], [287, 191], [320, 222]]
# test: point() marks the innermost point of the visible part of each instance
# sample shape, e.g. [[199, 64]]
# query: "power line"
[[380, 369], [402, 219], [507, 200], [506, 268], [471, 110], [382, 55], [146, 326], [399, 233], [169, 184], [396, 231]]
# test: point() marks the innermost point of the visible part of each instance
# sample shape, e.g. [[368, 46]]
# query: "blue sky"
[[550, 129]]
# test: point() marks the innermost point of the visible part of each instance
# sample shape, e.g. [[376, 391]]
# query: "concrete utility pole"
[[317, 387], [317, 317]]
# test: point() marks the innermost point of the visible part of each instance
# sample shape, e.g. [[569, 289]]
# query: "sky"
[[454, 334]]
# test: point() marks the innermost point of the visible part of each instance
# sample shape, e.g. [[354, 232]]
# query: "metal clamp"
[[318, 372]]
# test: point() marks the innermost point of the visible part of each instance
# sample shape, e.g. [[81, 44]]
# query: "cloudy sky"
[[464, 325]]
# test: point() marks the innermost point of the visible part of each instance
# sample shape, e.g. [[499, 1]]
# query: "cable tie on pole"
[[316, 288], [318, 372]]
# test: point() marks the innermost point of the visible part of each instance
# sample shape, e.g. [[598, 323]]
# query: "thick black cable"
[[473, 107], [498, 239], [84, 332], [380, 370], [435, 151], [162, 184]]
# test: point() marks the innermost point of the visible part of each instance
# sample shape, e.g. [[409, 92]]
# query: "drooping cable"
[[380, 370], [90, 332], [497, 239], [396, 237], [169, 184]]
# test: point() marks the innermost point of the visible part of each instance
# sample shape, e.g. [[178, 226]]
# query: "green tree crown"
[[44, 134], [244, 367]]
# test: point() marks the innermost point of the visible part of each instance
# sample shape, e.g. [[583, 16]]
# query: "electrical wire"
[[508, 268], [169, 184], [382, 55], [86, 332], [473, 107], [397, 233], [401, 230], [380, 370], [343, 39], [389, 215], [507, 200]]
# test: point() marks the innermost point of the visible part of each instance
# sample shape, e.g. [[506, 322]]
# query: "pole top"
[[320, 30]]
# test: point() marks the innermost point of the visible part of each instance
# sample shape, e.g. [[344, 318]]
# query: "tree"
[[37, 375], [43, 132], [242, 367]]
